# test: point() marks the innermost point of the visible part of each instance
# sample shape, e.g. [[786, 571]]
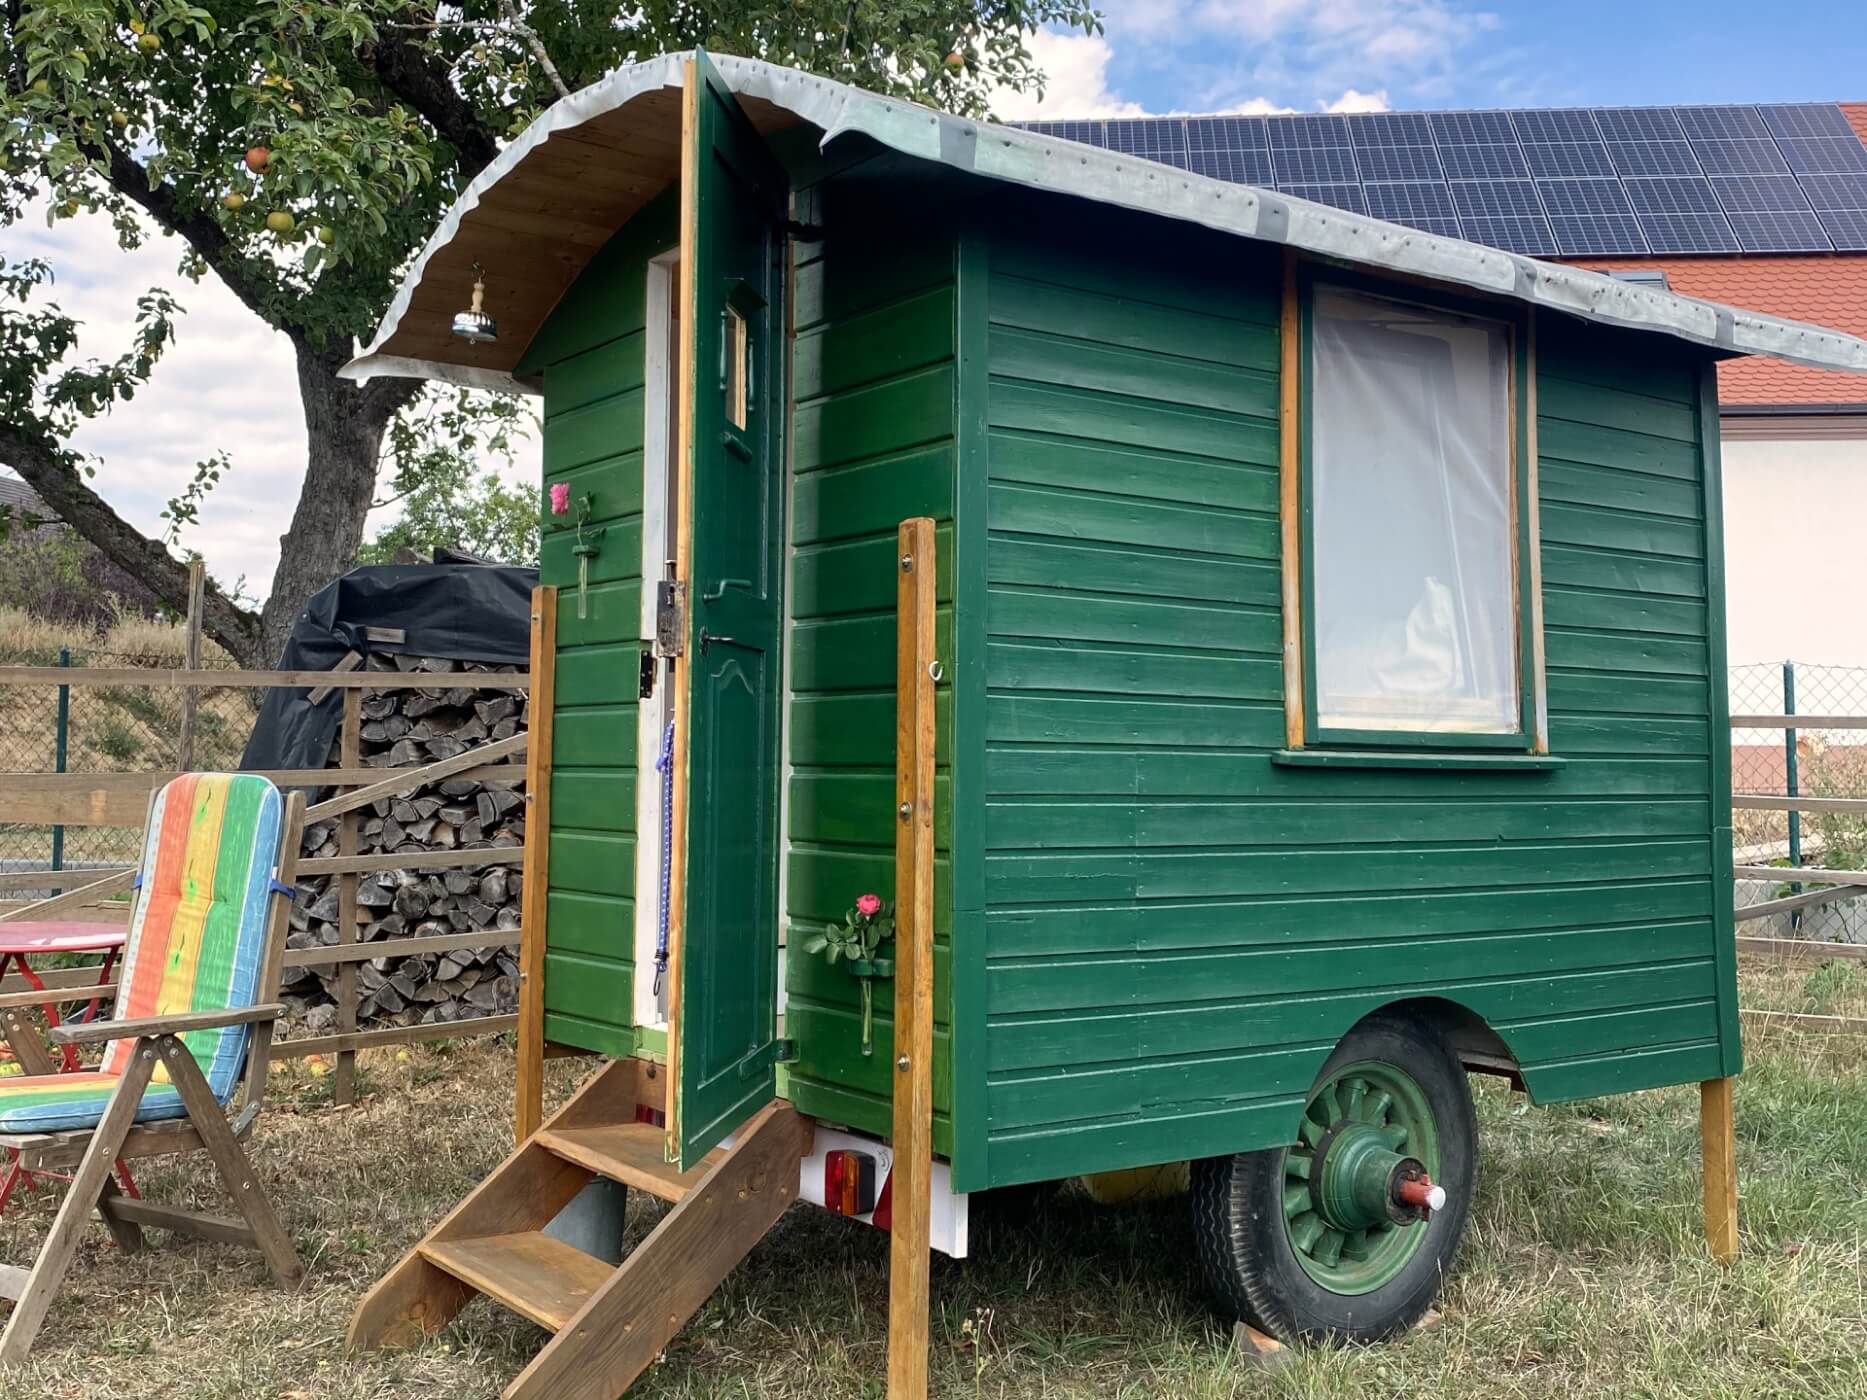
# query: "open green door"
[[723, 994]]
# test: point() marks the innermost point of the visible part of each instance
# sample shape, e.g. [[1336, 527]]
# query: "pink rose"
[[560, 498], [868, 905]]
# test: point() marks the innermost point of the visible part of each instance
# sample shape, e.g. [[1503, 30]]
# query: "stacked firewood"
[[405, 729]]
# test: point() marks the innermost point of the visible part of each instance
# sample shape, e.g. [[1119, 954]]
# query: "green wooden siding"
[[591, 356], [1179, 930], [872, 444]]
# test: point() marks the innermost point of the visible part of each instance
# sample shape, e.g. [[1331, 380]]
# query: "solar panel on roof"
[[1390, 129], [1681, 215], [1298, 132], [1740, 157], [1471, 128], [1568, 160], [1806, 119], [1672, 195], [1492, 197], [1087, 133], [1226, 133], [1721, 123], [1848, 228], [1651, 158], [1504, 213], [1342, 196], [1778, 231], [1494, 162], [1315, 165], [1558, 124], [1424, 204], [1389, 163], [1590, 216], [1836, 191], [1638, 124], [1153, 138], [1241, 167], [1823, 155]]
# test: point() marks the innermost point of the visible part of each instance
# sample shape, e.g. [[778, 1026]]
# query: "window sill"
[[1416, 758]]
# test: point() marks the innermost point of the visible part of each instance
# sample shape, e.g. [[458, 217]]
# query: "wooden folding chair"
[[192, 1021]]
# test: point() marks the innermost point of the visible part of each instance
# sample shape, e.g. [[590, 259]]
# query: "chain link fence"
[[1811, 760], [107, 729]]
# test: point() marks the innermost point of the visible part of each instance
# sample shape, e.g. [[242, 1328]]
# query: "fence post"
[[191, 660], [1791, 784], [60, 748]]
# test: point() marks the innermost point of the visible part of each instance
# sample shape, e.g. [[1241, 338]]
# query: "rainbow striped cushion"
[[197, 942]]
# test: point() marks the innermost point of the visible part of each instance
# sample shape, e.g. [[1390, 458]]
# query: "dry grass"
[[1584, 1274]]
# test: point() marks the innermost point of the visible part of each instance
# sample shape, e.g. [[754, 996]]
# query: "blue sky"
[[1214, 55]]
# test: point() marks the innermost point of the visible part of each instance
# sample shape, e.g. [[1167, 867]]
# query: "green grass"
[[1584, 1274]]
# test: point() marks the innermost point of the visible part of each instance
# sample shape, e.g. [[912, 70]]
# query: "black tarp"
[[466, 612]]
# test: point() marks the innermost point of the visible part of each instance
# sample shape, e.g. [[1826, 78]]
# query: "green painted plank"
[[1623, 652], [1149, 472], [613, 484], [1623, 612], [847, 731], [1557, 397], [619, 553], [876, 344], [1132, 375], [1265, 976], [594, 989], [1050, 823], [1633, 534], [1114, 670], [849, 278], [1214, 874], [1610, 488], [833, 1104], [601, 429], [1042, 408], [613, 613], [858, 809], [809, 977], [602, 1038], [875, 419], [593, 862], [599, 373], [1631, 361], [595, 925], [1558, 439], [855, 653], [1150, 571], [597, 675], [1120, 721], [1588, 567], [868, 498], [1309, 917], [823, 881], [1118, 319], [1624, 1072], [1605, 693], [1060, 769], [1632, 738], [1123, 520], [1083, 254], [603, 737], [593, 798], [1173, 1133], [1029, 612], [854, 576], [1609, 1032]]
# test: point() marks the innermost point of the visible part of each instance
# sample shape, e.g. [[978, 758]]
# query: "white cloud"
[[1076, 82], [1354, 101]]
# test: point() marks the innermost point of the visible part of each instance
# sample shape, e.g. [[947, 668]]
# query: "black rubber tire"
[[1245, 1251]]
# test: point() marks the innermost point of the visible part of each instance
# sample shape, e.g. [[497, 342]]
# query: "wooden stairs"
[[610, 1321]]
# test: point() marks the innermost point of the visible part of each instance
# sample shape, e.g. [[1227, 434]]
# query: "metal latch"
[[670, 618]]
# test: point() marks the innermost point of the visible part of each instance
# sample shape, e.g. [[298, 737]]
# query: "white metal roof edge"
[[1089, 172]]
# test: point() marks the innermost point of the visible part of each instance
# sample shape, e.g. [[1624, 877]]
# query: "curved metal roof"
[[538, 214]]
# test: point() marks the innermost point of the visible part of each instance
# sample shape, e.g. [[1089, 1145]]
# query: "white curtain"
[[1415, 608]]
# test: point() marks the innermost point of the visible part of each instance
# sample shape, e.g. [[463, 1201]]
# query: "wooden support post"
[[350, 755], [529, 1110], [191, 660], [1718, 1141], [916, 667]]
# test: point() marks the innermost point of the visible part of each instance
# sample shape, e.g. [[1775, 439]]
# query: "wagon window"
[[1411, 511]]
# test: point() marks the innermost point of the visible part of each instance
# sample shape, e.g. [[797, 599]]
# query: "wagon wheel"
[[1349, 1231]]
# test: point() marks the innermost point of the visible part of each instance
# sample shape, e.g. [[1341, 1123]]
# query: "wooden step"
[[531, 1273], [631, 1153]]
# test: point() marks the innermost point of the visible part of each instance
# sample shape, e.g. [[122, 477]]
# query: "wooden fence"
[[122, 799]]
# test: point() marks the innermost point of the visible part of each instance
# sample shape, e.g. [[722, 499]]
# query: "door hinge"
[[775, 1052], [670, 618], [650, 664]]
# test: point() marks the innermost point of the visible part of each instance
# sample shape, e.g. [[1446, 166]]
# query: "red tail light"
[[849, 1182]]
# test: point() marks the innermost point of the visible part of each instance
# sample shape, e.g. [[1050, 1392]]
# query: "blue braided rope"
[[665, 766]]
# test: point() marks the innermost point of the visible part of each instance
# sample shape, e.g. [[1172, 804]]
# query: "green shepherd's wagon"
[[1311, 689]]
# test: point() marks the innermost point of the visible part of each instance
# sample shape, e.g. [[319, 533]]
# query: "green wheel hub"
[[1359, 1127]]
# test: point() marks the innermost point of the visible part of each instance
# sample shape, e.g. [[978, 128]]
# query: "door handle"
[[708, 639]]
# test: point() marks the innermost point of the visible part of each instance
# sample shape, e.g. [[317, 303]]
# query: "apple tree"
[[302, 151]]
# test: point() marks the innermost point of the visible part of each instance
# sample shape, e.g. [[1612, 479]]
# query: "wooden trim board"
[[528, 1110]]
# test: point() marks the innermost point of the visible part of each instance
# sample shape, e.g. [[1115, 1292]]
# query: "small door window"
[[737, 349]]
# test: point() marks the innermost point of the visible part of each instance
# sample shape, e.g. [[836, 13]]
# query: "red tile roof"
[[1826, 289]]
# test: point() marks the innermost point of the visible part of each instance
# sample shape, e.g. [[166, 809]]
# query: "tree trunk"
[[344, 425]]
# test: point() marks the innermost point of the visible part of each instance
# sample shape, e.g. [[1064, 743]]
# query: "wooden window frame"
[[1302, 728]]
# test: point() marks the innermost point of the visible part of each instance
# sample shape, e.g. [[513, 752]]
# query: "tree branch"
[[384, 398], [63, 489], [130, 179], [413, 74], [535, 44]]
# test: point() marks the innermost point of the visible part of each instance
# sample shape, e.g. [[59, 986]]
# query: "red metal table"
[[25, 939]]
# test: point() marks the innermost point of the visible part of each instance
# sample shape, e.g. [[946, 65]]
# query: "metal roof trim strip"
[[1089, 172]]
